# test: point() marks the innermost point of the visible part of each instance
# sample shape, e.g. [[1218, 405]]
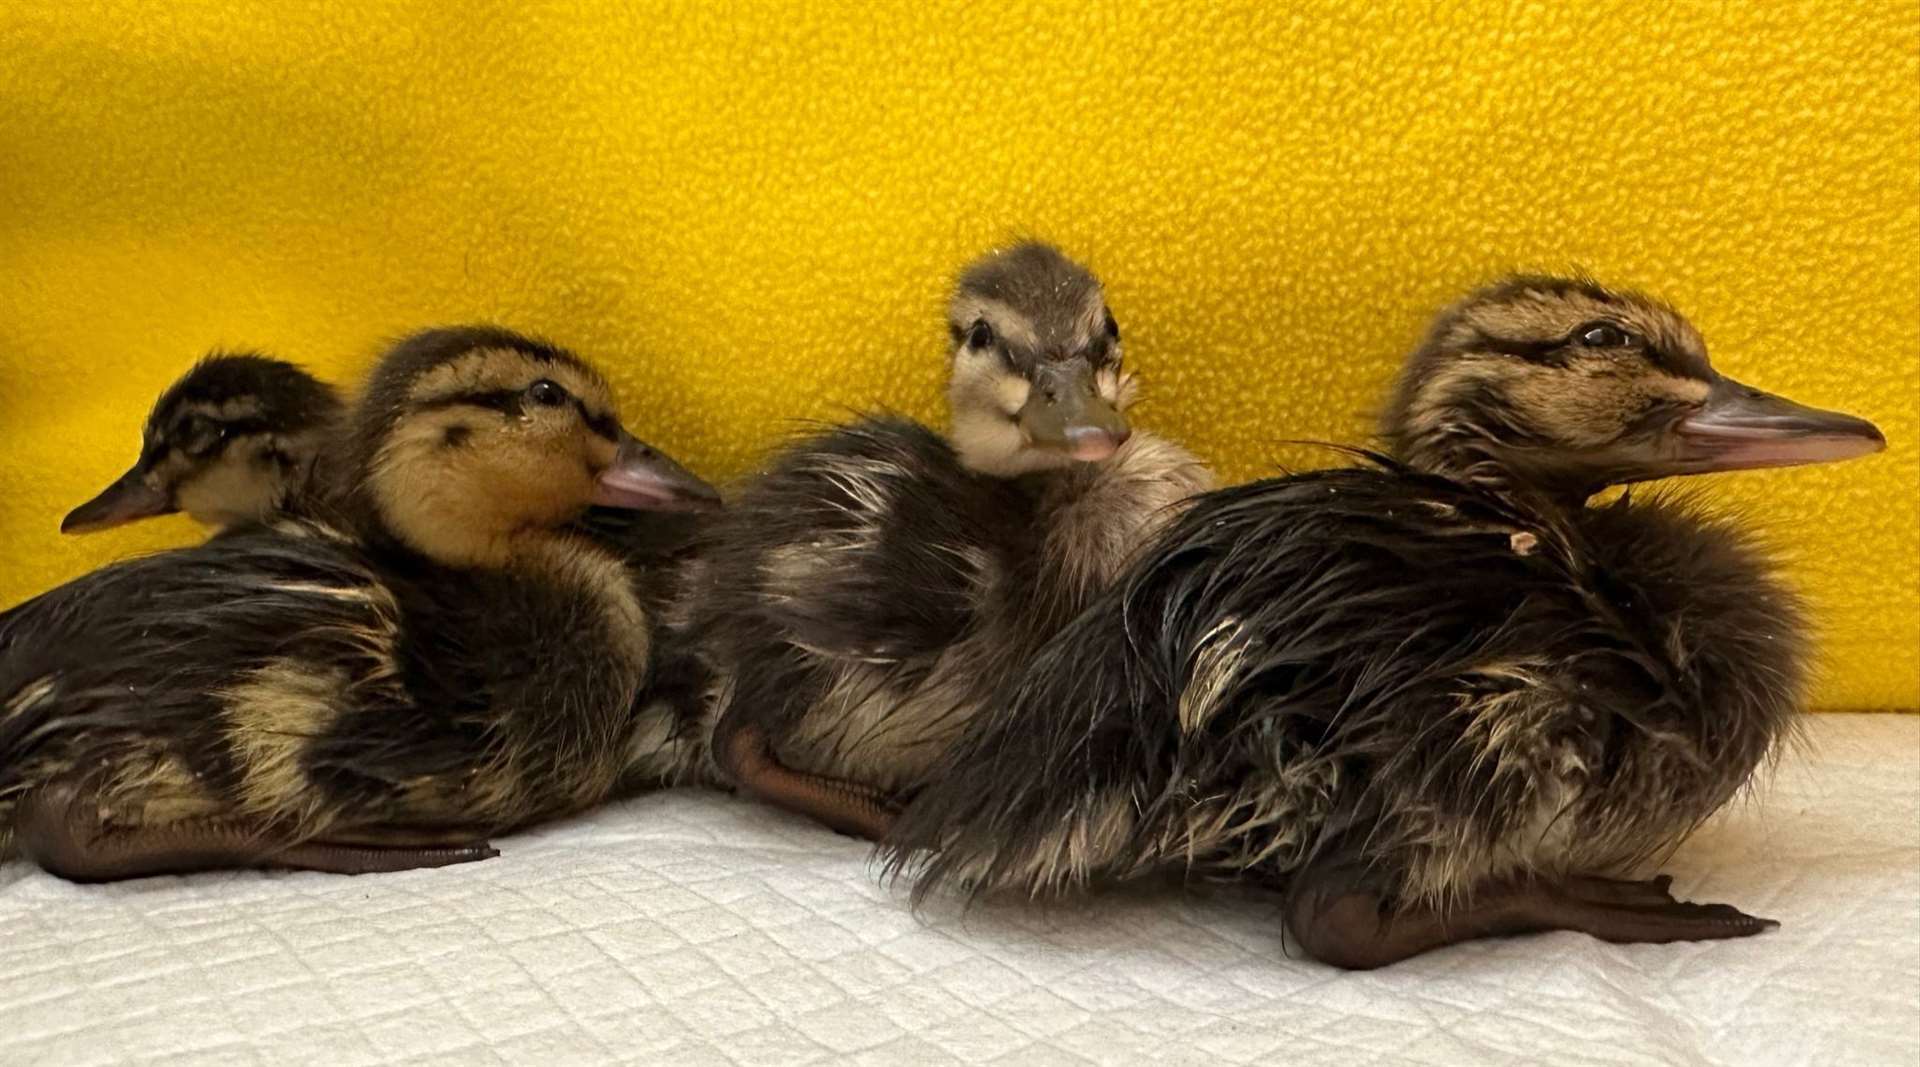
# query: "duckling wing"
[[188, 669], [869, 543], [517, 694], [1205, 708], [837, 582]]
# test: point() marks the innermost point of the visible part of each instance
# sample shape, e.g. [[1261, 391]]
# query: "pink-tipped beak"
[[642, 478], [1742, 428], [1091, 444], [1065, 411]]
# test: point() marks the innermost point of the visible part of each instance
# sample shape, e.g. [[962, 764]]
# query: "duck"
[[861, 595], [1451, 690], [238, 438], [435, 654], [246, 438]]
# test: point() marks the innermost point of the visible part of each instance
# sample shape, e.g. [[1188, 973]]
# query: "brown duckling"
[[867, 592], [246, 438], [1437, 696], [447, 658], [237, 438]]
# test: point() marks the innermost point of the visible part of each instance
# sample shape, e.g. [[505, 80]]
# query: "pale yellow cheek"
[[599, 453], [1685, 390], [1011, 391], [980, 380], [232, 489], [459, 503], [1117, 387]]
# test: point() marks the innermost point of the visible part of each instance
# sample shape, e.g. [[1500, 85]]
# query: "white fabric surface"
[[695, 928]]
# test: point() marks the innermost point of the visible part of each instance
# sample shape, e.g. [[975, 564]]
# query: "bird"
[[1443, 692], [238, 438], [435, 654], [862, 593], [245, 438]]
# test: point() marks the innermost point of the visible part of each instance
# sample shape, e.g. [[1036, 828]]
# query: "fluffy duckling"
[[445, 659], [236, 439], [245, 438], [868, 591], [1434, 697]]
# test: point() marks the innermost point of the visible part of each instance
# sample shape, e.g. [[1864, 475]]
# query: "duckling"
[[272, 457], [445, 657], [865, 593], [1436, 696], [237, 438]]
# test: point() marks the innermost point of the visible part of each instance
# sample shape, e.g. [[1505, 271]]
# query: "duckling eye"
[[1604, 335], [547, 393], [980, 336]]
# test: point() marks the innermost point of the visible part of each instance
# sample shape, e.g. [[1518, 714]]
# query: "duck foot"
[[1351, 927], [60, 827], [341, 858], [747, 756], [1598, 890]]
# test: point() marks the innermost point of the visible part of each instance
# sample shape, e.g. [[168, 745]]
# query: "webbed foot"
[[61, 827], [1350, 925], [747, 756]]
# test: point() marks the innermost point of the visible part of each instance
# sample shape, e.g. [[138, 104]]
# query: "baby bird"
[[236, 439], [446, 657], [869, 590], [277, 456], [1436, 696]]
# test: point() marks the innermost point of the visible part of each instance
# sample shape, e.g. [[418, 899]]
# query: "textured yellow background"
[[749, 212]]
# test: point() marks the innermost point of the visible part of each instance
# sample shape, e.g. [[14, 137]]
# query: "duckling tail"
[[120, 672], [25, 713]]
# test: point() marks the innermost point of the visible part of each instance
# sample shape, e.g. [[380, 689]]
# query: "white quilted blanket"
[[695, 928]]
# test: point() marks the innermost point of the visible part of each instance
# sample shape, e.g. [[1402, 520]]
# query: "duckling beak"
[[643, 478], [129, 498], [1743, 428], [1065, 412]]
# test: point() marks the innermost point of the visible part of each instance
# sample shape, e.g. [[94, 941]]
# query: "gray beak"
[[131, 497], [1742, 428], [643, 478], [1066, 412]]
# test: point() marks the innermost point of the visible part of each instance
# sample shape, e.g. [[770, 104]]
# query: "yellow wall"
[[749, 212]]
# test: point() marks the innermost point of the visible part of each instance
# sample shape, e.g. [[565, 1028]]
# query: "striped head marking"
[[468, 437], [1567, 386], [1036, 380], [230, 441]]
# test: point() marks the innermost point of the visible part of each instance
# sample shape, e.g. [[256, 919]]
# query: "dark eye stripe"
[[244, 427], [1558, 352], [232, 427], [505, 401], [602, 425], [1552, 353]]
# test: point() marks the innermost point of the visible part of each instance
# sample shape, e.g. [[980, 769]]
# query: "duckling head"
[[1036, 379], [1565, 386], [468, 439], [229, 442]]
